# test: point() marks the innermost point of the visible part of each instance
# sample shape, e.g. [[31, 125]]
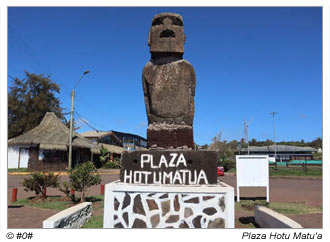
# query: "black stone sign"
[[169, 167]]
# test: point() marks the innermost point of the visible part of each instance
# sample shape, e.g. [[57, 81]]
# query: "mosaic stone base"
[[143, 209]]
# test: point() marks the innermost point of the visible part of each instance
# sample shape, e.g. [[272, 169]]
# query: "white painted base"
[[215, 203]]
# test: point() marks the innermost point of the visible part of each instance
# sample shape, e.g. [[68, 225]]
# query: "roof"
[[128, 134], [95, 134], [100, 134], [279, 148], [52, 134], [112, 148], [112, 133]]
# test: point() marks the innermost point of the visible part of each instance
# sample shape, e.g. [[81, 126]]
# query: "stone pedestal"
[[168, 206], [170, 136]]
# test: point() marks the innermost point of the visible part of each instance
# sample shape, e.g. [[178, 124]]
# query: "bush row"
[[80, 178]]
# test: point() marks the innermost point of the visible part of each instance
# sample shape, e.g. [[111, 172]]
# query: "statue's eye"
[[157, 21], [177, 21]]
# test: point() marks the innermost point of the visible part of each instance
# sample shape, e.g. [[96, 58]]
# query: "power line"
[[106, 128], [84, 118], [11, 77], [22, 48], [84, 121]]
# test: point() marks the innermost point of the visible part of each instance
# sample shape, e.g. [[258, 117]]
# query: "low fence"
[[297, 162], [297, 167]]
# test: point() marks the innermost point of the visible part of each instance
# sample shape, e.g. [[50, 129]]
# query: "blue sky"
[[248, 62]]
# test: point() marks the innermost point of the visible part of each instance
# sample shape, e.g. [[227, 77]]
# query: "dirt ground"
[[307, 190], [299, 190], [28, 217], [291, 190]]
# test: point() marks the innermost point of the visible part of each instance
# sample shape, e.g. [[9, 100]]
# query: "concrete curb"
[[73, 217], [268, 218]]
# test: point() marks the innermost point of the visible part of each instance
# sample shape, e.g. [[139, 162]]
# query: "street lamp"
[[273, 113], [71, 120]]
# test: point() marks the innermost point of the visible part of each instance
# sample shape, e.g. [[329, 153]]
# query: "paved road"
[[297, 190], [284, 190], [281, 189], [308, 191]]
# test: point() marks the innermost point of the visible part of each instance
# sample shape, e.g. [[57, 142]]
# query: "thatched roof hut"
[[52, 134], [113, 148], [98, 135]]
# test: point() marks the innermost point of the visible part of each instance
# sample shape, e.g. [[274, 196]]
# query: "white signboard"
[[252, 171]]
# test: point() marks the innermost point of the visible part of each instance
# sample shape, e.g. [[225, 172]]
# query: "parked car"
[[220, 171]]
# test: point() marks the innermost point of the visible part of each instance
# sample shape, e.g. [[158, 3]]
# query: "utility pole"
[[218, 140], [246, 134], [273, 113], [71, 121]]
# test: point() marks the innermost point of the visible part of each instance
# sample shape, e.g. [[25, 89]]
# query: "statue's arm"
[[146, 89], [193, 81]]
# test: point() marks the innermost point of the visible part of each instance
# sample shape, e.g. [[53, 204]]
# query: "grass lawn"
[[296, 171], [18, 170], [247, 207], [283, 208], [98, 201], [52, 202], [59, 203], [95, 222]]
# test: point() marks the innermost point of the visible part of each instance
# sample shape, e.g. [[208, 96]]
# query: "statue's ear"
[[149, 38]]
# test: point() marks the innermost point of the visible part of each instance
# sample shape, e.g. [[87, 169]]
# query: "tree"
[[104, 156], [38, 182], [205, 147], [253, 142], [317, 143], [268, 142], [83, 176], [243, 144], [317, 155], [28, 101]]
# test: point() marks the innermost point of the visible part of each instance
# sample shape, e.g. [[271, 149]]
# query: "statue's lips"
[[167, 33]]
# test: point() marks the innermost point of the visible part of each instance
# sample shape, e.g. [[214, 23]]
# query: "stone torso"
[[169, 91]]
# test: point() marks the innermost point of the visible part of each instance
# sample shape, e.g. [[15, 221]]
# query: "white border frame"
[[195, 235]]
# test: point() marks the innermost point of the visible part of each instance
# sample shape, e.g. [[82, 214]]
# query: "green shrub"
[[227, 164], [38, 182], [66, 187], [104, 156], [83, 176], [112, 165]]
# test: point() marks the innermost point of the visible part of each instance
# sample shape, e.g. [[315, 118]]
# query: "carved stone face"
[[166, 33]]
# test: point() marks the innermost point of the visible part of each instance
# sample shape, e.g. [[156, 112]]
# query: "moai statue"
[[169, 85]]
